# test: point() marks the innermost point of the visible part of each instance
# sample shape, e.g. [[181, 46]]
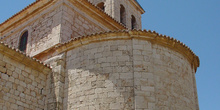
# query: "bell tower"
[[127, 12]]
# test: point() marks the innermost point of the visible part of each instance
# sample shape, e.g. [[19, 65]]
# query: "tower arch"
[[122, 15], [133, 22]]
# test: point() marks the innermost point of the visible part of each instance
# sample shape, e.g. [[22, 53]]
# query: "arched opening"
[[101, 6], [133, 22], [122, 15], [23, 41]]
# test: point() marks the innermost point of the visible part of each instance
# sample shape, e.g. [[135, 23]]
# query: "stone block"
[[4, 76], [8, 85], [17, 70], [23, 84], [151, 106], [138, 47], [2, 69], [21, 77], [137, 52], [10, 67], [117, 53], [15, 74], [9, 72], [141, 102], [122, 47], [20, 88], [115, 106], [6, 90], [2, 63], [148, 88], [20, 103], [126, 75], [123, 58], [32, 77], [25, 74]]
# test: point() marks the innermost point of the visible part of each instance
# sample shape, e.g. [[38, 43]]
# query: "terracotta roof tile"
[[25, 55], [141, 32]]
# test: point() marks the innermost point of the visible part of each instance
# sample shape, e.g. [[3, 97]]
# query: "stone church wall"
[[43, 30], [128, 74], [76, 23], [100, 76], [163, 78], [21, 86], [55, 24]]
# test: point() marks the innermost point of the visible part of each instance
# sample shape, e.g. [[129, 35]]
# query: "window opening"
[[122, 15], [23, 41], [133, 22]]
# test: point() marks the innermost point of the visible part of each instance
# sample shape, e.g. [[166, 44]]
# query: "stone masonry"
[[23, 86], [112, 7], [80, 57], [128, 74]]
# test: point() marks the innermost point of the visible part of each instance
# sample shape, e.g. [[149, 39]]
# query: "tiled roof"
[[152, 36], [20, 11], [17, 54]]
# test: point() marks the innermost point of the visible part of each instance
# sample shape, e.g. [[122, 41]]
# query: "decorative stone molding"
[[137, 5]]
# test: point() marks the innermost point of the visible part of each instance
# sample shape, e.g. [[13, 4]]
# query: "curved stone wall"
[[100, 76], [128, 74]]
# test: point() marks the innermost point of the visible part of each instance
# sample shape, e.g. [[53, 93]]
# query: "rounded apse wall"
[[129, 70]]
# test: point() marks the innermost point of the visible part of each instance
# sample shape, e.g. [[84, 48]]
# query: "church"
[[92, 55]]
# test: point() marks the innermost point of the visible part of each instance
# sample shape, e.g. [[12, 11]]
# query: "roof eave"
[[25, 13], [139, 7]]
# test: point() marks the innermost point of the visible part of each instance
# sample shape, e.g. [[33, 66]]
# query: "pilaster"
[[56, 82]]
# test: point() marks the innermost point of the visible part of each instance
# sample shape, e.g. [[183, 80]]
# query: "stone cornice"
[[153, 37], [22, 58], [137, 5], [30, 10], [83, 5], [97, 14]]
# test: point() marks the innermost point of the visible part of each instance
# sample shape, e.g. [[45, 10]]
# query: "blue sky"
[[193, 22]]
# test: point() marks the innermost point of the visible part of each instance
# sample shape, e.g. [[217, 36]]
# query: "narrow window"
[[122, 15], [23, 41], [101, 6], [133, 22]]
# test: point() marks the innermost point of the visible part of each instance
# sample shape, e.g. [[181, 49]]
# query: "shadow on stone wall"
[[93, 85], [93, 90], [55, 83]]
